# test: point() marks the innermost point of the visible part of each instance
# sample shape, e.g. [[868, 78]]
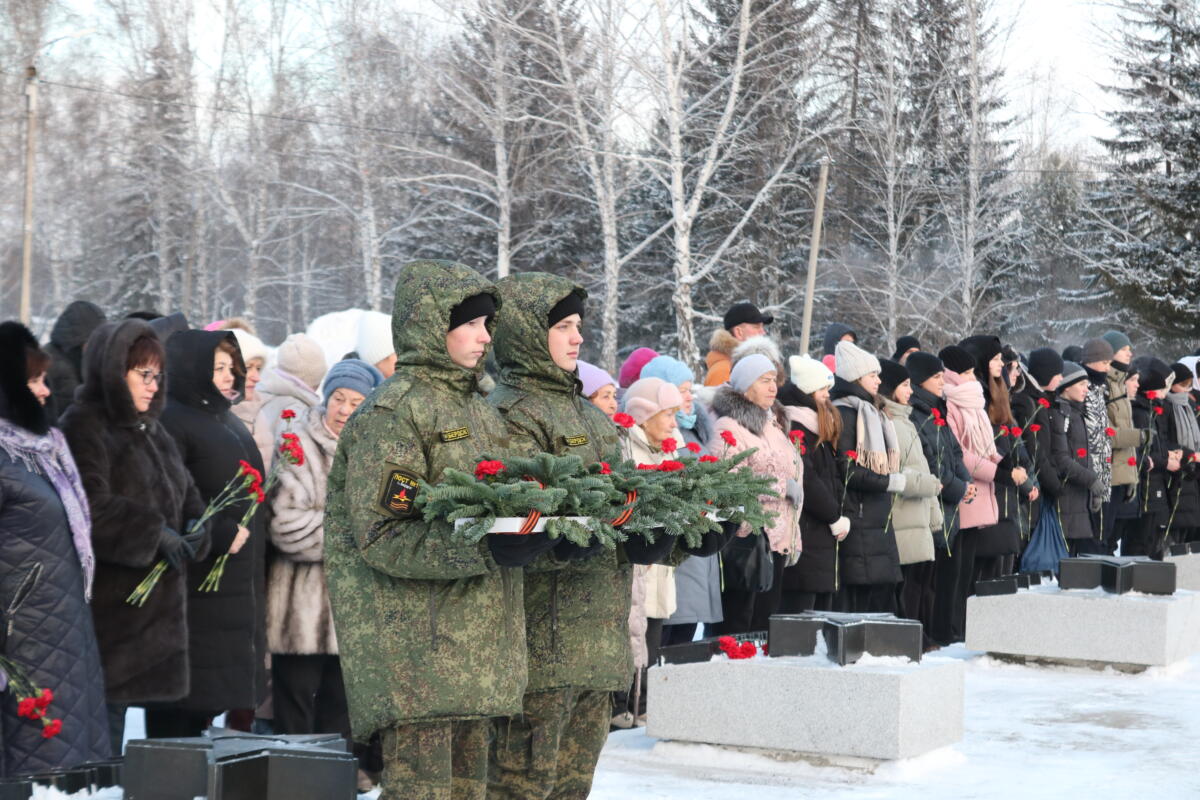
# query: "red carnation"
[[941, 423], [728, 438], [605, 469], [1035, 427], [1015, 431], [488, 469], [648, 467], [1151, 395], [1110, 432], [45, 699], [1132, 461], [1043, 402], [624, 420], [669, 445], [670, 466], [692, 446], [288, 414], [1081, 452], [53, 729], [747, 650], [796, 436], [936, 412], [1003, 431], [28, 708], [709, 459], [1108, 460], [1158, 410], [852, 455]]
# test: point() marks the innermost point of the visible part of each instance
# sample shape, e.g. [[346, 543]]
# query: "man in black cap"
[[742, 321]]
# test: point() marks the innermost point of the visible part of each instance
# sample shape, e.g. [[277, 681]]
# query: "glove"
[[841, 527], [197, 535], [713, 541], [897, 481], [795, 492], [640, 551], [1097, 488], [1096, 503], [566, 550], [517, 551], [174, 548]]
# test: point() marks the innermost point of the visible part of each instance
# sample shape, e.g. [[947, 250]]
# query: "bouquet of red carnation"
[[735, 650], [289, 451], [31, 704]]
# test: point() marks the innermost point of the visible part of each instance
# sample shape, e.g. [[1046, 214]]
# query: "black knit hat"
[[1072, 353], [922, 366], [904, 344], [571, 304], [1044, 364], [891, 375], [1182, 373], [1072, 374], [1153, 373], [956, 358], [983, 349], [477, 305]]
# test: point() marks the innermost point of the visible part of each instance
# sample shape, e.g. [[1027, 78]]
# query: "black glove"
[[713, 541], [640, 551], [566, 550], [174, 548], [197, 535], [509, 550]]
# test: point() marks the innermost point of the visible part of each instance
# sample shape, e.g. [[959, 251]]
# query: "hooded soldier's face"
[[564, 340], [468, 343]]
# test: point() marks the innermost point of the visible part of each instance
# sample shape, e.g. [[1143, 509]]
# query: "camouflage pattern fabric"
[[429, 628], [576, 616], [436, 761], [550, 752]]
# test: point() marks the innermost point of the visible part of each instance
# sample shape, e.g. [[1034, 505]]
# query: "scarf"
[[976, 434], [1187, 431], [49, 457], [875, 437], [685, 421]]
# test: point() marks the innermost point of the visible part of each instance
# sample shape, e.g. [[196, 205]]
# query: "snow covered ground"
[[1030, 732]]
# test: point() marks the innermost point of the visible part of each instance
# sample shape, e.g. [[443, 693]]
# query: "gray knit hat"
[[748, 370], [351, 373], [852, 362], [1096, 350], [1072, 373], [1117, 340]]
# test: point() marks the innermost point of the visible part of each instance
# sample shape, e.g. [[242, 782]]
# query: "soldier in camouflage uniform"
[[430, 628], [576, 601]]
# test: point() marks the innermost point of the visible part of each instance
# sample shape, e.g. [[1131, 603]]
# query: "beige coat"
[[654, 584], [916, 512]]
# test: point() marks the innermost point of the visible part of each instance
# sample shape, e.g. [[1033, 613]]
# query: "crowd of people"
[[498, 668]]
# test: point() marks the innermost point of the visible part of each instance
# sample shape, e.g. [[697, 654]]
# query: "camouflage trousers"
[[550, 751], [436, 761]]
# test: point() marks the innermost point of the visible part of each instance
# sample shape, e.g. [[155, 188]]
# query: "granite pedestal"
[[1187, 571], [1095, 627], [879, 709]]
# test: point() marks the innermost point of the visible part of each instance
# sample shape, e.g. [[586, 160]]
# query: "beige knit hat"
[[301, 357]]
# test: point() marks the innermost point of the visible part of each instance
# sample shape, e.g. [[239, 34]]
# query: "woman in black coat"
[[812, 582], [46, 571], [1183, 436], [1147, 537], [1082, 489], [227, 627], [869, 562], [142, 500]]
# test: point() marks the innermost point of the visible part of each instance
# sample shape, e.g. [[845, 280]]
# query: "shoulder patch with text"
[[576, 441], [399, 491], [454, 434]]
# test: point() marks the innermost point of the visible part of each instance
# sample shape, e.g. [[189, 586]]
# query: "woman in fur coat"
[[307, 675]]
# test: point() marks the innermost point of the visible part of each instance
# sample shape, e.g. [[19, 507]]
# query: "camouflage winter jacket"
[[576, 616], [428, 626]]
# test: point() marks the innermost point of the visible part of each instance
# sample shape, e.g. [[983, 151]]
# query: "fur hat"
[[763, 345], [648, 396], [809, 375], [373, 343], [853, 362], [301, 357], [631, 369], [593, 378]]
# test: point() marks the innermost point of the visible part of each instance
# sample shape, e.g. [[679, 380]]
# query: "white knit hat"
[[301, 357], [649, 396], [250, 345], [374, 341], [853, 362], [809, 375]]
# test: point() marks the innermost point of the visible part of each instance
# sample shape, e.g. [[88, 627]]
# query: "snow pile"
[[1029, 732], [46, 793]]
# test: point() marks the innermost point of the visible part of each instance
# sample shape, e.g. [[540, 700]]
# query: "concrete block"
[[1187, 571], [1046, 623], [878, 709]]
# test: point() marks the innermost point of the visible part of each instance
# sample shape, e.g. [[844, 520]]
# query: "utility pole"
[[31, 89], [818, 218]]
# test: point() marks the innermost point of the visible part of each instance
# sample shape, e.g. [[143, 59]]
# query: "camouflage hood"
[[426, 293], [522, 345]]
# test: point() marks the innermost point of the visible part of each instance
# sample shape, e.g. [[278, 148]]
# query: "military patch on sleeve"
[[399, 491], [454, 434], [576, 441]]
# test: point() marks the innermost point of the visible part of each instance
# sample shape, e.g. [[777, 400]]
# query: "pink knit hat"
[[631, 370], [649, 396]]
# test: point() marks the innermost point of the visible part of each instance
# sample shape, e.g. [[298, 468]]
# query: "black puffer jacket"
[[1152, 457], [944, 455], [227, 627], [868, 554], [67, 338], [136, 484], [1074, 472], [45, 622], [1032, 409], [1184, 485], [816, 570]]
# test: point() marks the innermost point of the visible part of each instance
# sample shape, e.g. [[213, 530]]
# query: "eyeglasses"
[[150, 376]]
